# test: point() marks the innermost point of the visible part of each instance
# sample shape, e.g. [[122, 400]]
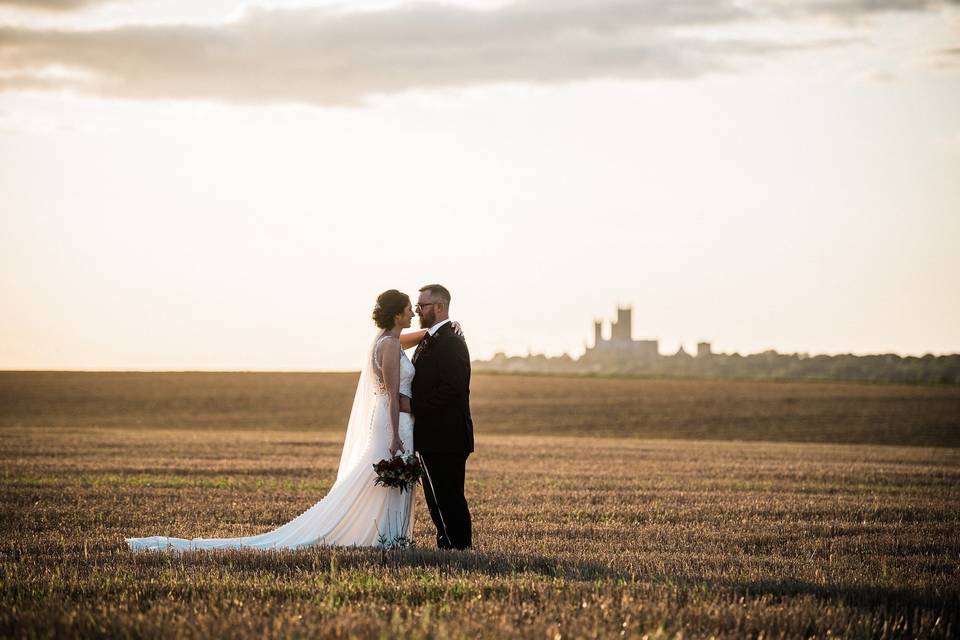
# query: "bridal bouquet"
[[400, 472]]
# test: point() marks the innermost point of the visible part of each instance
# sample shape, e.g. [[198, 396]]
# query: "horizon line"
[[530, 353]]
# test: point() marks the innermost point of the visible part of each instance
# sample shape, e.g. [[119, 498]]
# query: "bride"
[[355, 511]]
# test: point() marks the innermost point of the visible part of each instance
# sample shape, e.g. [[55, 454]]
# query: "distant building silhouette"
[[622, 355], [621, 338]]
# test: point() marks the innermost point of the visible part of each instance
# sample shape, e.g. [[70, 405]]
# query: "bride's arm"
[[390, 366], [411, 339]]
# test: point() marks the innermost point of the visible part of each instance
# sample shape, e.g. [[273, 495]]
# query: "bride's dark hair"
[[389, 303]]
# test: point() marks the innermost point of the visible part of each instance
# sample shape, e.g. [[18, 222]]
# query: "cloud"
[[848, 11], [857, 8], [332, 56], [945, 59], [51, 5]]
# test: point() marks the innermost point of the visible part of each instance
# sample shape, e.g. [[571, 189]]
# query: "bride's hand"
[[457, 329], [396, 445]]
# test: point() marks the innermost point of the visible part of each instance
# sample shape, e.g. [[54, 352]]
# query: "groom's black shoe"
[[443, 543]]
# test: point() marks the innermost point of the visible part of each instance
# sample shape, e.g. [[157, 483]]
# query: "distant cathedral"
[[620, 354], [621, 340]]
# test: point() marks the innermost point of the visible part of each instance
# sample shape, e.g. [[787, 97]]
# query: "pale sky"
[[227, 185]]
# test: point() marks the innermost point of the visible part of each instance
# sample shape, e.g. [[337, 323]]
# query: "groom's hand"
[[405, 404]]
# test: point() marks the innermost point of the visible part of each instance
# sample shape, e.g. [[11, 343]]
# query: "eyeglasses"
[[425, 304]]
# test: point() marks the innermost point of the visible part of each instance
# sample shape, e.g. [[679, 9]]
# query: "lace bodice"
[[407, 372]]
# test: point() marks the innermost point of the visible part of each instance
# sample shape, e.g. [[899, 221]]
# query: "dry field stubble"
[[688, 409], [576, 536]]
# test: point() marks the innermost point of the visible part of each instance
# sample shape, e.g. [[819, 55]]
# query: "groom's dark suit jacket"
[[441, 395]]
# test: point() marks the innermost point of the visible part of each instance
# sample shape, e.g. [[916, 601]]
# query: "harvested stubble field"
[[576, 535]]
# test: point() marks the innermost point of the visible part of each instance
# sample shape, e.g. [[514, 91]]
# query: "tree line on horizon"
[[887, 367]]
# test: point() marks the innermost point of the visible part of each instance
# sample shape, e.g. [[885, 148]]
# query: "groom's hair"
[[438, 290]]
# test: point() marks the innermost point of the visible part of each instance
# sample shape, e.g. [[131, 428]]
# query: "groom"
[[443, 428]]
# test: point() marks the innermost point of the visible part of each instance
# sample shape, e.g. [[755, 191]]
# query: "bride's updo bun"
[[390, 303]]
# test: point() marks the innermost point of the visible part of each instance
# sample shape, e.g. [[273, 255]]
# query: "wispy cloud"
[[848, 9], [52, 5], [332, 56], [945, 59]]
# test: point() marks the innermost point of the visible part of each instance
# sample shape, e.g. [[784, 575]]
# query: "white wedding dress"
[[355, 512]]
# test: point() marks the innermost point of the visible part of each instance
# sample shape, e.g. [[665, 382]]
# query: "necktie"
[[420, 347]]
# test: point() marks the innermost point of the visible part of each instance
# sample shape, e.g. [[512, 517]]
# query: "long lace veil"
[[360, 425]]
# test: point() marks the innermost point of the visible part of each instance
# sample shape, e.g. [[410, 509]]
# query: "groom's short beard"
[[426, 320]]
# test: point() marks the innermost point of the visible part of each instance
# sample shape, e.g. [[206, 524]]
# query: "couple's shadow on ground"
[[334, 560]]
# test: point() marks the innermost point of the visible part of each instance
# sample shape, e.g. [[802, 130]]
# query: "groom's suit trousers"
[[443, 491]]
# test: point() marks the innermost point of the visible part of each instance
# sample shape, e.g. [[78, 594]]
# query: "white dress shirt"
[[432, 330]]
